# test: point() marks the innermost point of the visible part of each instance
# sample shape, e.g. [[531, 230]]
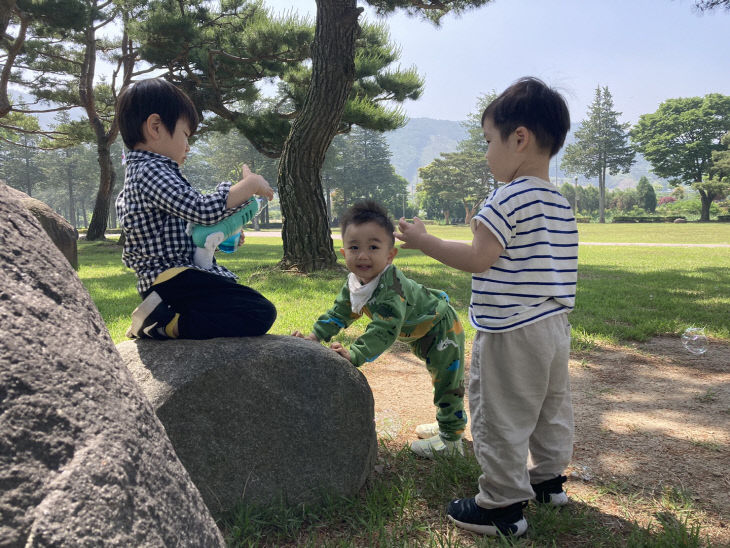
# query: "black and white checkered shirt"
[[154, 208]]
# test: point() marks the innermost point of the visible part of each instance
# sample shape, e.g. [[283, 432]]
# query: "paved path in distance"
[[277, 234]]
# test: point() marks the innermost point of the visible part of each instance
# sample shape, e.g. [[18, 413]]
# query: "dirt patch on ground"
[[652, 427]]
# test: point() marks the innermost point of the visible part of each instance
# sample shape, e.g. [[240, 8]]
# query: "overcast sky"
[[645, 51]]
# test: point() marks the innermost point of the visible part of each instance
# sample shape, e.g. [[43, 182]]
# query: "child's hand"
[[411, 234], [256, 183], [341, 350], [311, 336]]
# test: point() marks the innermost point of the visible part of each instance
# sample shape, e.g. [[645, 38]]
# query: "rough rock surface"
[[84, 461], [259, 418], [61, 232]]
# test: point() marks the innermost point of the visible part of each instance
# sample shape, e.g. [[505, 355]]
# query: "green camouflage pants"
[[442, 348]]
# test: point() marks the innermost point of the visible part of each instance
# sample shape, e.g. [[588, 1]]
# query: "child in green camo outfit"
[[402, 309]]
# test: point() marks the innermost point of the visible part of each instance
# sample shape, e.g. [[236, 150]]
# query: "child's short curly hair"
[[153, 96], [367, 211], [531, 103]]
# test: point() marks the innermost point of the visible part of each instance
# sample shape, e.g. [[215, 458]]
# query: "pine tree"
[[601, 145], [646, 194], [60, 68], [332, 77]]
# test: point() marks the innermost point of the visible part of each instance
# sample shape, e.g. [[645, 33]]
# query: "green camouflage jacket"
[[399, 308]]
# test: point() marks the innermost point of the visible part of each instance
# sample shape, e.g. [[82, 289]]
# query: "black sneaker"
[[150, 318], [465, 513], [551, 491]]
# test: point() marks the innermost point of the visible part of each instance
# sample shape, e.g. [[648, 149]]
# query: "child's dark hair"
[[367, 211], [153, 96], [531, 103]]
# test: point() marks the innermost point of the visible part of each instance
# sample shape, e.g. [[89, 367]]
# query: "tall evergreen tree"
[[363, 170], [601, 145], [680, 138], [646, 195], [23, 27], [60, 68], [19, 152]]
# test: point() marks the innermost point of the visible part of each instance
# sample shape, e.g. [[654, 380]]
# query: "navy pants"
[[215, 306]]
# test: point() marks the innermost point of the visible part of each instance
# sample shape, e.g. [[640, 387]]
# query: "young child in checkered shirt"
[[180, 299]]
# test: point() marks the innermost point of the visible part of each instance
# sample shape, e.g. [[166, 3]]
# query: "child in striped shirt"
[[523, 260]]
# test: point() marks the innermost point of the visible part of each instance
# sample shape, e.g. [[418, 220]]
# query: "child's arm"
[[380, 334], [331, 322], [250, 184], [163, 188], [484, 250], [311, 336]]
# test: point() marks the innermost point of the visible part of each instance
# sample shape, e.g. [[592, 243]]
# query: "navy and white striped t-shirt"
[[154, 208], [535, 275]]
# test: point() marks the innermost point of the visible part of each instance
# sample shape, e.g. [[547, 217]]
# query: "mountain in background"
[[422, 140]]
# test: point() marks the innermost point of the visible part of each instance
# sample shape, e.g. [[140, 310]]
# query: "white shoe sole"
[[141, 313], [490, 530], [558, 499], [426, 449]]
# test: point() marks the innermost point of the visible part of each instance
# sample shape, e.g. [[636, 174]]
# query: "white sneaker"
[[435, 445], [427, 430], [150, 318]]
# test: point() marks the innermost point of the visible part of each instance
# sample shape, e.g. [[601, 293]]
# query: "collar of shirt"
[[141, 155]]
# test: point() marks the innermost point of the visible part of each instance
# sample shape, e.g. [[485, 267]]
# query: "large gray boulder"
[[84, 461], [62, 233], [259, 418]]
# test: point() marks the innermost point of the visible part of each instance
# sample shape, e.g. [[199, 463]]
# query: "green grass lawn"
[[686, 233], [624, 293]]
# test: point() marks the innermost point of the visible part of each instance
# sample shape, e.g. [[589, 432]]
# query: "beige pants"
[[522, 417]]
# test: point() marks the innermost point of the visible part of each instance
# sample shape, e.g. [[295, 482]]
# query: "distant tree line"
[[687, 141]]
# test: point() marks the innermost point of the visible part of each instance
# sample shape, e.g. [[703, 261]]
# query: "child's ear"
[[522, 137], [151, 126], [391, 255], [342, 250]]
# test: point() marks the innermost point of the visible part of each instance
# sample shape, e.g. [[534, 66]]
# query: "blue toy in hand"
[[225, 235]]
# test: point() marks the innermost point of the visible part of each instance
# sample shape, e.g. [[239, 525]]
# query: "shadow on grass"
[[404, 502]]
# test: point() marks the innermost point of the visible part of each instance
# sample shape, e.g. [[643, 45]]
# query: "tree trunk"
[[71, 204], [28, 182], [705, 201], [100, 215], [602, 195], [82, 204], [307, 241], [104, 139], [472, 211], [327, 193]]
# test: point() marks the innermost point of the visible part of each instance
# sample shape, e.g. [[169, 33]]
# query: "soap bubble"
[[694, 340], [387, 424]]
